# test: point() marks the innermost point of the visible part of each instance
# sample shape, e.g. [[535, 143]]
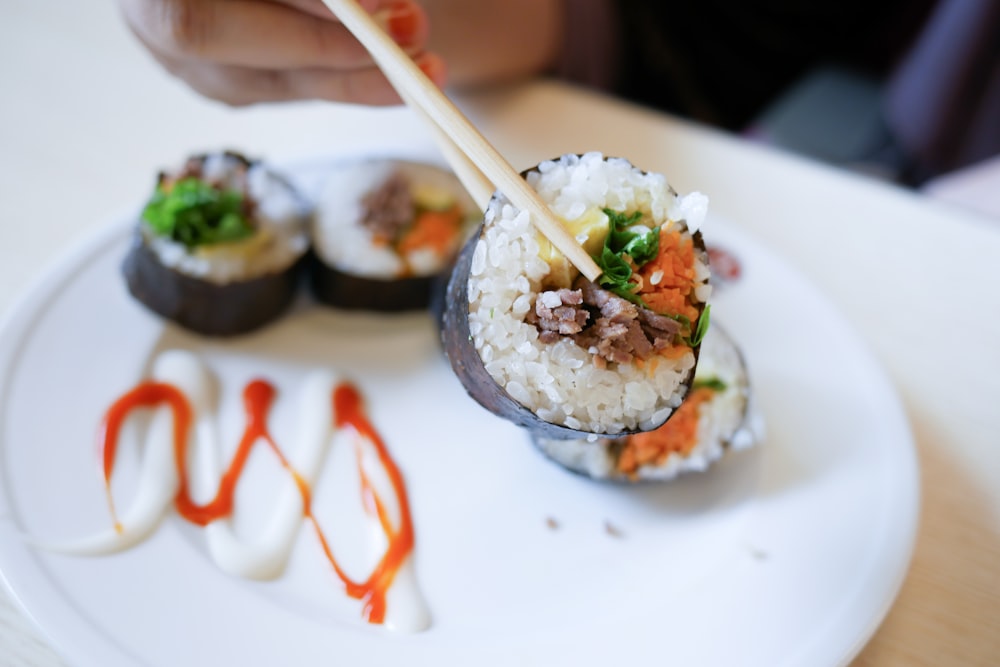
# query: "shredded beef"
[[616, 329], [567, 318], [659, 328], [192, 169], [388, 209]]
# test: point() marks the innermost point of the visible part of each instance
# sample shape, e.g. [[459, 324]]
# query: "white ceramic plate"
[[789, 554]]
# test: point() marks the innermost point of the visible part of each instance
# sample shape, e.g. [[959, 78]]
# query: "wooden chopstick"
[[475, 183], [420, 92]]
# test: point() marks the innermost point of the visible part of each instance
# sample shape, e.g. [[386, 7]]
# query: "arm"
[[247, 51]]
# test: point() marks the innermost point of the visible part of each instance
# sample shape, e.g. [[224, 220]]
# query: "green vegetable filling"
[[196, 213], [701, 329], [626, 237], [713, 383]]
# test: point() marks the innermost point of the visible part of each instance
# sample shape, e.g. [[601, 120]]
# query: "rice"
[[338, 238], [343, 243], [727, 420], [241, 242], [561, 382], [280, 239]]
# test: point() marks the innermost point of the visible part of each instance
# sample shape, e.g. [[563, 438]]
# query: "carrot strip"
[[434, 230], [674, 290], [679, 434]]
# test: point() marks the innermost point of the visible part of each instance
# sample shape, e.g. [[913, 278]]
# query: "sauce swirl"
[[145, 395], [348, 413]]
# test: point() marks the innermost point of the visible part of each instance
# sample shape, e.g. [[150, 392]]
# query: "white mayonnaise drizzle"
[[265, 557], [405, 607], [158, 480]]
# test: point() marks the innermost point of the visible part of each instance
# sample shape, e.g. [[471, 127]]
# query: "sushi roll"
[[385, 232], [537, 343], [220, 246], [716, 415]]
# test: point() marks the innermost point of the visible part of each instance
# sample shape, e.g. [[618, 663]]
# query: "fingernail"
[[433, 66], [402, 22]]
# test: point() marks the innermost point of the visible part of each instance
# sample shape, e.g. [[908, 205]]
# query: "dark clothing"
[[943, 101], [726, 60], [721, 62]]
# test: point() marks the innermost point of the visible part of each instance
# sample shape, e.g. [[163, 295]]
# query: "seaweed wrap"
[[386, 233], [537, 343], [220, 246], [717, 415]]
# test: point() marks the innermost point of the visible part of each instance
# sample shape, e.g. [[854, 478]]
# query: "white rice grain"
[[506, 276], [727, 419], [281, 236]]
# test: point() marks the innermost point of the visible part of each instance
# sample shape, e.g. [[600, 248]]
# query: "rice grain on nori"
[[220, 246], [616, 366]]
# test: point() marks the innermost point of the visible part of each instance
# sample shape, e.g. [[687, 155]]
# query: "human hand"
[[246, 51]]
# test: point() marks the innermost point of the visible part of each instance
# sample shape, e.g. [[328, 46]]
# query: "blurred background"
[[903, 91], [907, 91]]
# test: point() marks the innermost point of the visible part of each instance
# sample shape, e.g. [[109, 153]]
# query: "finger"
[[250, 33], [319, 9], [241, 86], [434, 67]]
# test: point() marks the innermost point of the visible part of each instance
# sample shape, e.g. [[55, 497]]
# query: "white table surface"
[[87, 118]]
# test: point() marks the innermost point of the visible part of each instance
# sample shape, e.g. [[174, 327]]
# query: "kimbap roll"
[[715, 416], [385, 232], [537, 343], [220, 245]]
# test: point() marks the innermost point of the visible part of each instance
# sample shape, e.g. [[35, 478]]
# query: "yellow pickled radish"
[[432, 198], [590, 230], [241, 248]]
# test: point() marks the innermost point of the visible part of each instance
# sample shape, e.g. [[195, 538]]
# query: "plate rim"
[[79, 646]]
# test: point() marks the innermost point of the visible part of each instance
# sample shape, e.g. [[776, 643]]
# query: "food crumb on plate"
[[613, 530]]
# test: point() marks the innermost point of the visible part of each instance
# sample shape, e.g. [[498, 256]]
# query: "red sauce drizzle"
[[258, 396], [348, 413], [145, 395]]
